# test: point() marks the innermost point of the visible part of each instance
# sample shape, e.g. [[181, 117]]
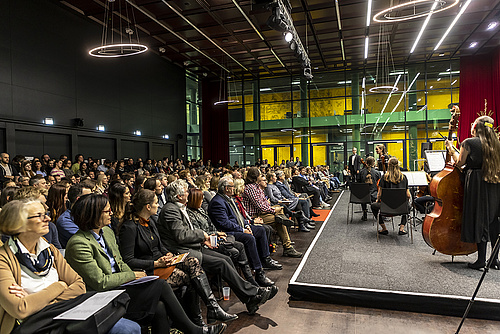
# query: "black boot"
[[481, 257], [312, 213], [214, 311], [303, 217], [365, 215], [262, 279], [247, 273], [191, 304]]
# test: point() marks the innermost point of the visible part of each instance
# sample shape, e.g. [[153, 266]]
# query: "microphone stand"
[[486, 269]]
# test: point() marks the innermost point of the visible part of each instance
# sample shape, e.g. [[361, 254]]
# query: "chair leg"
[[348, 204], [376, 224]]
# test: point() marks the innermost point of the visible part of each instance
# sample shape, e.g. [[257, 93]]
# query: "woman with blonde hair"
[[33, 273], [393, 178], [102, 184], [481, 156], [203, 183]]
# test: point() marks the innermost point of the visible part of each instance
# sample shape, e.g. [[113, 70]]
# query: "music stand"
[[436, 160], [415, 180]]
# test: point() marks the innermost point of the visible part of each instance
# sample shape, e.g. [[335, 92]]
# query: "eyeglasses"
[[42, 216]]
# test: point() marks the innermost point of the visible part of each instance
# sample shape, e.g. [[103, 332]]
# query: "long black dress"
[[481, 199]]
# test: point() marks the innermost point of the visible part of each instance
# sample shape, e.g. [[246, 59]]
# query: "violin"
[[369, 175]]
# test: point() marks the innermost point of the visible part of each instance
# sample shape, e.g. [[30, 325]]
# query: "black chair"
[[360, 194], [393, 202]]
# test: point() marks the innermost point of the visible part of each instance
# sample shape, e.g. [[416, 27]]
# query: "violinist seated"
[[369, 175], [393, 178]]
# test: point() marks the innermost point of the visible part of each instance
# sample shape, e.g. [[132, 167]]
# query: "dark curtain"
[[479, 80], [215, 124]]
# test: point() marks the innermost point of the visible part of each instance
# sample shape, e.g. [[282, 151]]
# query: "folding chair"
[[360, 194], [394, 203]]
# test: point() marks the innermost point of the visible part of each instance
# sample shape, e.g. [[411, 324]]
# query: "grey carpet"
[[349, 255]]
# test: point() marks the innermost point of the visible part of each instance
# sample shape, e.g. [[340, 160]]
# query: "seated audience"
[[179, 235], [257, 205], [227, 218], [142, 249], [93, 253]]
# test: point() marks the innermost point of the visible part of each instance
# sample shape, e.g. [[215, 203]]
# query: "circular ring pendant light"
[[412, 10]]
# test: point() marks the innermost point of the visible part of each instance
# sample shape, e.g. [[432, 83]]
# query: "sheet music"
[[90, 306], [416, 179], [436, 160]]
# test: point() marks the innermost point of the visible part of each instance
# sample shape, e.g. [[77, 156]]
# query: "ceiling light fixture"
[[111, 49], [454, 82], [225, 88], [472, 45], [462, 10], [426, 22], [166, 137], [492, 25], [281, 20], [369, 13], [412, 10], [385, 64], [367, 41], [450, 72], [137, 132]]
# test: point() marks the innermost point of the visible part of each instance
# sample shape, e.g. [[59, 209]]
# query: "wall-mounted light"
[[137, 132], [166, 137], [48, 121], [101, 127]]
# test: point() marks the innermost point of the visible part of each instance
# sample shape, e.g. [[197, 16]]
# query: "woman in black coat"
[[141, 249]]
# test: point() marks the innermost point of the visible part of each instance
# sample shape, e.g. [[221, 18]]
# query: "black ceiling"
[[202, 35]]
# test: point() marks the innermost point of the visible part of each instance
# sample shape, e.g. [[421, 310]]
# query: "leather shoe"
[[309, 226], [291, 252], [314, 214], [262, 279], [402, 232], [476, 265], [260, 298], [215, 329], [384, 232], [302, 228], [269, 264]]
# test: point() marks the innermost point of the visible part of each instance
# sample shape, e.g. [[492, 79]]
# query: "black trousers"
[[256, 245], [219, 264], [310, 190], [376, 208]]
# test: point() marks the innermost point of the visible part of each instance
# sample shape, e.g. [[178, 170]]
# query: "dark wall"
[[45, 71]]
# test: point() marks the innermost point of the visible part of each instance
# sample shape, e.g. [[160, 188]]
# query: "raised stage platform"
[[345, 265]]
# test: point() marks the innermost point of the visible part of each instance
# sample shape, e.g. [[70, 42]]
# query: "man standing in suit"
[[179, 235], [354, 164]]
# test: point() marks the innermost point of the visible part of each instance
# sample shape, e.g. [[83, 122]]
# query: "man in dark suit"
[[354, 164], [227, 218], [179, 235]]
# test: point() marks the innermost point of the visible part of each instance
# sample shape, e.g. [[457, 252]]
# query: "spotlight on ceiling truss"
[[281, 20]]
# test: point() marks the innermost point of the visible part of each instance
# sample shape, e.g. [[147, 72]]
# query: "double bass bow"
[[442, 227]]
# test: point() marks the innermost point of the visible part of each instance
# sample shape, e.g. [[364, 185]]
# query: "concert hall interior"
[[318, 91]]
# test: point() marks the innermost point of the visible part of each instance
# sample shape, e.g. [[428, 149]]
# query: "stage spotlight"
[[277, 20], [288, 36], [293, 45], [308, 73]]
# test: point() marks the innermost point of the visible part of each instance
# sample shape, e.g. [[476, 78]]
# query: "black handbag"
[[103, 320], [100, 322]]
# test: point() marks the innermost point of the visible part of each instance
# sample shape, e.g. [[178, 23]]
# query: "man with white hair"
[[179, 235], [227, 218]]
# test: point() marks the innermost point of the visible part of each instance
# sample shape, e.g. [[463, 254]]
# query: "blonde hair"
[[393, 173], [381, 147], [239, 187], [491, 149], [14, 216]]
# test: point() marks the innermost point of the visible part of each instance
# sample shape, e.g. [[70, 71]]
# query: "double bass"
[[442, 227]]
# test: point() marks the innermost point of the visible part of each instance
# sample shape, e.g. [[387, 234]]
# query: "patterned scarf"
[[41, 266]]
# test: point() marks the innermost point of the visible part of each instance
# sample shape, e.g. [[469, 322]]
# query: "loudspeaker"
[[180, 136], [78, 122], [425, 147]]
